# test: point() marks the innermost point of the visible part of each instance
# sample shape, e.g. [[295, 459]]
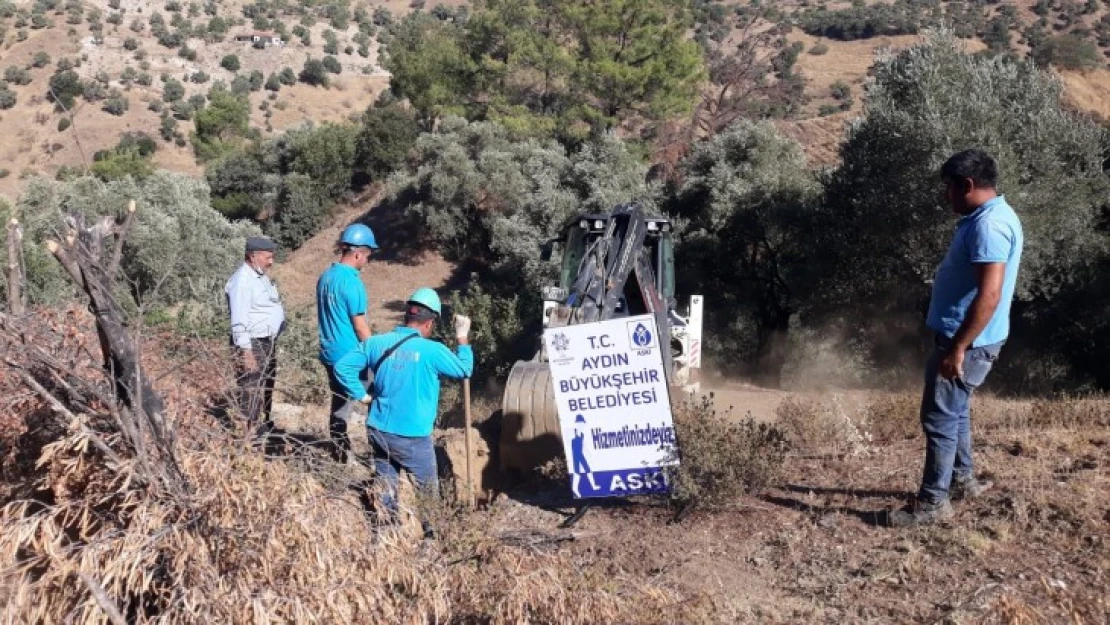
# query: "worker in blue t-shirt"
[[969, 313], [407, 366], [341, 307]]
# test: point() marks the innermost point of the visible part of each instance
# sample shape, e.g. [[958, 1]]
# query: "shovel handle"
[[469, 446]]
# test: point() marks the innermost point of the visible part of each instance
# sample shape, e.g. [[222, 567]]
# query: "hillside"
[[114, 41], [32, 142]]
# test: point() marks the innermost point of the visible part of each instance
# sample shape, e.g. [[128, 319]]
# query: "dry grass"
[[265, 541]]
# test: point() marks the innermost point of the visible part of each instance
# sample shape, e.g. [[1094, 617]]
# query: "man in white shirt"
[[257, 319]]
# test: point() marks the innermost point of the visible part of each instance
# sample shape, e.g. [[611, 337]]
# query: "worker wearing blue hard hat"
[[341, 308], [407, 366]]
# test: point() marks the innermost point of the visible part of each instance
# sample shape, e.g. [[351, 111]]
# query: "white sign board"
[[614, 406]]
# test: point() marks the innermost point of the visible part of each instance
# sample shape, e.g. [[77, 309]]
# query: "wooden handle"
[[469, 446]]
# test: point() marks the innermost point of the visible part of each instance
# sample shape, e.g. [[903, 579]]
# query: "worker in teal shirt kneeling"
[[407, 366]]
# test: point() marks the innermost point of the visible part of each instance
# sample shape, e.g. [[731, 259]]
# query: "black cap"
[[260, 244]]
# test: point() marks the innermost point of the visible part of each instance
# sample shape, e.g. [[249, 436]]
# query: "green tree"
[[300, 211], [314, 73], [178, 250], [173, 90], [388, 133], [238, 184], [633, 57], [230, 63], [482, 195], [220, 125], [746, 197], [1070, 51], [118, 164], [64, 88], [884, 227], [429, 66], [326, 155], [541, 65]]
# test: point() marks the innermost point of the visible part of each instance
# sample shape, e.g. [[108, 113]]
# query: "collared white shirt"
[[256, 310]]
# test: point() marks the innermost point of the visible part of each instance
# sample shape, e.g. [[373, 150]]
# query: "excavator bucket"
[[530, 434]]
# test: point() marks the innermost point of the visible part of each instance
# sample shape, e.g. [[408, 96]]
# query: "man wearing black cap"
[[257, 318]]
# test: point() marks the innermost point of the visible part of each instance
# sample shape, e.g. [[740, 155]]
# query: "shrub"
[[17, 75], [41, 59], [172, 91], [332, 64], [116, 104], [230, 63], [7, 97], [1068, 51], [63, 124], [721, 459], [94, 91], [819, 49]]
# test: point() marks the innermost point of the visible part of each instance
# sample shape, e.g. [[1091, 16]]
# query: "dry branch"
[[15, 268], [81, 256], [71, 419], [103, 600]]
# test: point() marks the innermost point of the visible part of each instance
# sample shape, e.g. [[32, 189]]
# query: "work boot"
[[969, 487], [921, 513]]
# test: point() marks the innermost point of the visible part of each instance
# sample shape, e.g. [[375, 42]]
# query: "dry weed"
[[722, 459], [265, 541], [823, 427], [893, 417]]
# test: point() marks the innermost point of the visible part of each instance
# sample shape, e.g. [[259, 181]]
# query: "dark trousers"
[[340, 413], [256, 388]]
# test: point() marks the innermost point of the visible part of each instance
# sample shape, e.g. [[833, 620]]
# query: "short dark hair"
[[975, 164], [418, 313]]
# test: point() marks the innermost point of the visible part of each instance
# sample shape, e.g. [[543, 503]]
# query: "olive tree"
[[744, 204], [885, 226], [179, 248]]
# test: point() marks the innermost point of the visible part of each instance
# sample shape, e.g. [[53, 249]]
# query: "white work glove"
[[462, 327]]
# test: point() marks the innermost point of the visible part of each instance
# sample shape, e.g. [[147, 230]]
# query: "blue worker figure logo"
[[641, 336], [578, 456]]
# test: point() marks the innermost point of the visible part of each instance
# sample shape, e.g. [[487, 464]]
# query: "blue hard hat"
[[359, 235], [427, 298]]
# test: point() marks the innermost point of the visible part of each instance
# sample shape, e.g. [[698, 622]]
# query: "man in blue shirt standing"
[[341, 307], [970, 313], [407, 366]]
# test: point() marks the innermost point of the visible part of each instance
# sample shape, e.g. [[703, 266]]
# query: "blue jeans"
[[392, 453], [946, 418]]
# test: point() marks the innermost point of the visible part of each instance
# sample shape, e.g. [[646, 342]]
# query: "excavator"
[[614, 264]]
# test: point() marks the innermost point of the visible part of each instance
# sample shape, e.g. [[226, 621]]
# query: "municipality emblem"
[[560, 342], [641, 336]]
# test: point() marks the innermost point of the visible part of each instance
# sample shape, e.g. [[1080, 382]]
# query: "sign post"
[[614, 406]]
